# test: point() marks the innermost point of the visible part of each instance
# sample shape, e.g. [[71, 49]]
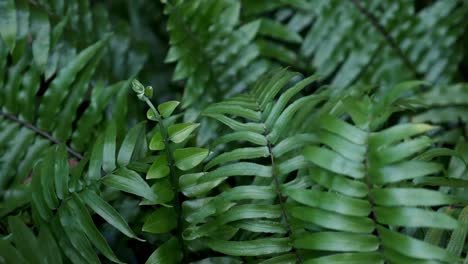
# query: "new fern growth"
[[174, 157]]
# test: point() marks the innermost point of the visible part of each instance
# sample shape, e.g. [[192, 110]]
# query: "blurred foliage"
[[287, 131]]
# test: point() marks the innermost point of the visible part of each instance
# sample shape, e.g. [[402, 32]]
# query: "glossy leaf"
[[159, 168], [108, 213], [162, 220], [166, 108], [187, 158], [180, 132]]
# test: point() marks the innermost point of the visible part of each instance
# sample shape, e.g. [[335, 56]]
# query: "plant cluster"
[[277, 132]]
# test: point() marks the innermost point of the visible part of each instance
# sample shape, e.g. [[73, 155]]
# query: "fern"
[[375, 42], [235, 220], [28, 246], [385, 170], [60, 196], [358, 165], [44, 74], [447, 103], [56, 28], [367, 170], [169, 140]]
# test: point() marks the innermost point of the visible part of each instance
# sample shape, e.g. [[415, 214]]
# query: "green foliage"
[[41, 55], [170, 140], [242, 158], [375, 42]]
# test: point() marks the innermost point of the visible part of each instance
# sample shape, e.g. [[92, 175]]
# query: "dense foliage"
[[233, 131]]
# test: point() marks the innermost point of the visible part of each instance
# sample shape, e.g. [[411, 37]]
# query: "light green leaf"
[[109, 147], [333, 221], [237, 169], [239, 154], [338, 183], [8, 22], [129, 181], [76, 236], [128, 145], [61, 172], [40, 27], [414, 217], [25, 240], [248, 136], [397, 133], [334, 162], [151, 116], [337, 241], [275, 29], [341, 128], [162, 220], [37, 198], [348, 258], [239, 126], [159, 168], [168, 253], [294, 142], [256, 247], [96, 159], [166, 108], [157, 142], [48, 180], [180, 132], [457, 239], [410, 197], [399, 152], [188, 158], [107, 212], [232, 109], [331, 201], [86, 223], [10, 254], [404, 171], [412, 247], [49, 246]]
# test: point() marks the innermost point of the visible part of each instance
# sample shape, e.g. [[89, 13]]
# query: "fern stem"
[[280, 196], [173, 178], [370, 196], [391, 41], [42, 133]]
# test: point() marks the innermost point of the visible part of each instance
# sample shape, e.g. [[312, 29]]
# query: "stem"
[[173, 178], [393, 44], [370, 196], [42, 133], [281, 201]]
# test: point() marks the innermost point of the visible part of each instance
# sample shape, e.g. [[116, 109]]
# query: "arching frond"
[[55, 82], [365, 182], [375, 42], [251, 218], [63, 197]]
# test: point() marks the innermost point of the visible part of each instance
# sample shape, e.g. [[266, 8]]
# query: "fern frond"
[[56, 29], [27, 247], [366, 182], [205, 38], [251, 218], [62, 195], [447, 105], [55, 83], [174, 157], [377, 42], [375, 175]]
